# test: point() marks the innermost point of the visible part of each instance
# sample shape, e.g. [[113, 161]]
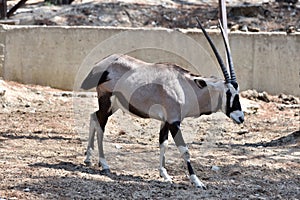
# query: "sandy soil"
[[43, 134]]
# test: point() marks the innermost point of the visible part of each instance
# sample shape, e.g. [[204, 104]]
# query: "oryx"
[[161, 91]]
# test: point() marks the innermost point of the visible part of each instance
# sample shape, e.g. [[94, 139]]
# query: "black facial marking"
[[163, 134], [228, 97], [235, 104]]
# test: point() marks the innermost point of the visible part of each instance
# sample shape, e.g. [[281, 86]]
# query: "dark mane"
[[179, 69]]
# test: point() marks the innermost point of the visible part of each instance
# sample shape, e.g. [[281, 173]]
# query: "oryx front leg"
[[183, 149], [163, 144]]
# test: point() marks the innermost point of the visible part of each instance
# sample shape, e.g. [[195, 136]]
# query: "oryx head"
[[231, 105]]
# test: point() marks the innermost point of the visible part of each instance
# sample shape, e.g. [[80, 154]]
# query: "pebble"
[[2, 92], [244, 28], [215, 168]]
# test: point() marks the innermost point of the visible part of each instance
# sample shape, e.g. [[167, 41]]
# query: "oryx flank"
[[161, 91]]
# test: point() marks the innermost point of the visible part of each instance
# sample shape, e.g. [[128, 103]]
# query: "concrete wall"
[[62, 56]]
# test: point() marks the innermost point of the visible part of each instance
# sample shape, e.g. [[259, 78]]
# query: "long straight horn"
[[229, 57], [219, 58]]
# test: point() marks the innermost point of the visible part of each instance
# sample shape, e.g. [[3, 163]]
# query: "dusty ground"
[[43, 131], [251, 15], [43, 134]]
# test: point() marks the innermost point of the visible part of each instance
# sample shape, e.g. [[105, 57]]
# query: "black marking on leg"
[[163, 134], [190, 168], [103, 113], [176, 134], [104, 110]]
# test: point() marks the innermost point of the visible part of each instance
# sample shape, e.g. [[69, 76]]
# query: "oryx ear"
[[200, 83]]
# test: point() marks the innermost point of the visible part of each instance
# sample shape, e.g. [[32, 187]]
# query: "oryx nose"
[[241, 119]]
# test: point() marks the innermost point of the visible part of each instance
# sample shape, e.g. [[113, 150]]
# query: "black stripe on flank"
[[128, 106]]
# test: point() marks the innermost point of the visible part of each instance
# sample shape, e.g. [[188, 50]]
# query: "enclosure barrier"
[[61, 56]]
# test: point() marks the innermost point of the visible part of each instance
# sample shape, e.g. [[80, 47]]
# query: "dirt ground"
[[251, 15], [43, 133]]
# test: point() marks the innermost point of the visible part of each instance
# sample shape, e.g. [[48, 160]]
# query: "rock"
[[253, 28], [66, 94], [250, 94], [291, 29], [235, 173], [59, 2], [215, 168], [242, 132], [2, 92], [235, 27], [244, 28], [246, 10], [288, 99], [263, 96], [287, 1]]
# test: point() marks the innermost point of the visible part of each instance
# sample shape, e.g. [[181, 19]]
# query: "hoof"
[[203, 187], [196, 182], [88, 163], [105, 172], [164, 174]]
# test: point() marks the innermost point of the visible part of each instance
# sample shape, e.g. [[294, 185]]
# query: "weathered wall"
[[62, 56]]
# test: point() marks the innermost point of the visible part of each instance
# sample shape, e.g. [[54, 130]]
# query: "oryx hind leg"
[[102, 116], [98, 121], [91, 140], [183, 149], [163, 144]]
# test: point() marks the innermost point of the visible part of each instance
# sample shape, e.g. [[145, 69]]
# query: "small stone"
[[242, 132], [235, 27], [244, 28], [118, 146], [263, 96], [215, 168], [235, 173], [26, 190], [2, 92]]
